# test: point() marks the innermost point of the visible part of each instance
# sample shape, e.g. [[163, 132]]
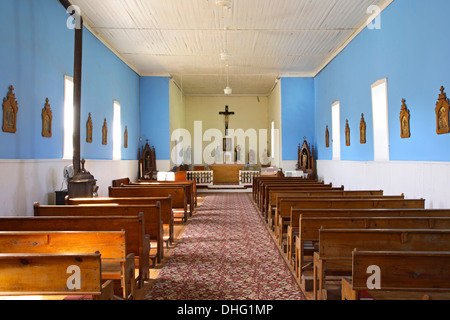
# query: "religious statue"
[[237, 151], [187, 157], [404, 121], [304, 159], [89, 129], [105, 133], [347, 134], [125, 138], [47, 118], [251, 157], [362, 130], [217, 154], [265, 157]]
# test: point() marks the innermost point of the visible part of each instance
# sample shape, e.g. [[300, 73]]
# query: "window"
[[68, 118], [273, 139], [380, 120], [336, 132], [117, 133]]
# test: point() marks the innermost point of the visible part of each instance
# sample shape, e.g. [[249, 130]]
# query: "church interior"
[[296, 131]]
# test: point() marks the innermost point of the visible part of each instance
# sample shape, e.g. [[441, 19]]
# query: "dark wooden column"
[[83, 183], [78, 62]]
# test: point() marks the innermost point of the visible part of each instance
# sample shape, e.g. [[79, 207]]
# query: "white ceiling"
[[267, 38]]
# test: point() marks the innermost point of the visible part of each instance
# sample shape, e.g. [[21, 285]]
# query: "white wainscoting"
[[427, 180], [289, 165], [24, 182]]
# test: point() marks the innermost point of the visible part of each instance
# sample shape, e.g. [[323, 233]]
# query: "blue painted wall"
[[297, 115], [105, 79], [36, 52], [411, 51], [155, 115]]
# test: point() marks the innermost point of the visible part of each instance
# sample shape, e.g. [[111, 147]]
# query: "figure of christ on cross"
[[227, 117]]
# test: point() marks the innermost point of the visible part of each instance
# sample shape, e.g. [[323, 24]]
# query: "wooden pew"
[[120, 182], [404, 275], [266, 188], [191, 189], [48, 275], [357, 202], [264, 205], [257, 181], [309, 229], [336, 247], [136, 240], [262, 184], [178, 193], [274, 195], [165, 203], [298, 237], [116, 263], [153, 226]]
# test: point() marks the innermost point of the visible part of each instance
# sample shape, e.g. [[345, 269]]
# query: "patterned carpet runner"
[[226, 253]]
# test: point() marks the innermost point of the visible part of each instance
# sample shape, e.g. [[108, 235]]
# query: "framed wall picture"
[[442, 113], [405, 131], [10, 109], [47, 118], [226, 144], [362, 130]]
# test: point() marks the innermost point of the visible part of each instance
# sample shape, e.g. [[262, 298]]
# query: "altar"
[[226, 173]]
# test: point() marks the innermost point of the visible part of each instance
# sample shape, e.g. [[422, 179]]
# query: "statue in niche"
[[89, 127], [405, 131], [10, 110], [105, 133], [362, 130], [347, 134], [237, 151], [442, 113], [47, 118], [265, 159], [125, 138], [304, 159], [251, 157], [188, 155], [327, 138]]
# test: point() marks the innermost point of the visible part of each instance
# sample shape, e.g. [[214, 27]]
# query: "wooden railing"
[[201, 177], [246, 177]]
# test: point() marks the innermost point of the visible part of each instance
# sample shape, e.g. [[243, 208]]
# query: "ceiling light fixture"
[[226, 56], [228, 90], [224, 3]]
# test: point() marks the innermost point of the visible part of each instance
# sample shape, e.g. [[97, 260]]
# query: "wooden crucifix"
[[227, 115]]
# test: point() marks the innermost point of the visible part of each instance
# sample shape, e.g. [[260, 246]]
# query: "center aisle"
[[226, 253]]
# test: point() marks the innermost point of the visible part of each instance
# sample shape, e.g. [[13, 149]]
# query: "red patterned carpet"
[[226, 253]]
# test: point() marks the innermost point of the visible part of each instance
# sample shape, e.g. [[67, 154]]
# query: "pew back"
[[419, 273], [48, 274], [153, 226], [136, 240], [178, 193]]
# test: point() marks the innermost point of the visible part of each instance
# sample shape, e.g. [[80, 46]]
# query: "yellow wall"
[[274, 114], [177, 112], [250, 113]]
